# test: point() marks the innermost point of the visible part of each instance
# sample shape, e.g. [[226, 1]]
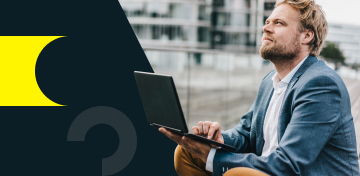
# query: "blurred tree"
[[331, 52]]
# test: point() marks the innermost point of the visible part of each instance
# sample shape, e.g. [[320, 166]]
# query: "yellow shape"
[[18, 56]]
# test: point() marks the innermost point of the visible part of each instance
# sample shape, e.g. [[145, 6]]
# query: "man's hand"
[[197, 148], [210, 130]]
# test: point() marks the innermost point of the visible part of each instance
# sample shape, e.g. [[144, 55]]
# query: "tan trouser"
[[187, 164]]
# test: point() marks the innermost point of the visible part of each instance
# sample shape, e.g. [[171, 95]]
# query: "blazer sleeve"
[[239, 137], [315, 111]]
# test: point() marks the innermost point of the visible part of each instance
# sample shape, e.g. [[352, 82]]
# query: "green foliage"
[[331, 52]]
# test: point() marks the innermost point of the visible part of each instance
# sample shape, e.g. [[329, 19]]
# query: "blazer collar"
[[307, 63]]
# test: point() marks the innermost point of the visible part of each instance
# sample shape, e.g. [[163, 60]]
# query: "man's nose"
[[268, 28]]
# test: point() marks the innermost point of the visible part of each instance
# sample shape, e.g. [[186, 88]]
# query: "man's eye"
[[278, 22]]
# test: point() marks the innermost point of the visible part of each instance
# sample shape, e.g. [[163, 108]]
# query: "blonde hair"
[[311, 17]]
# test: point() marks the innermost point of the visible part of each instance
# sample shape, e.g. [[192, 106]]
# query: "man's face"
[[281, 38]]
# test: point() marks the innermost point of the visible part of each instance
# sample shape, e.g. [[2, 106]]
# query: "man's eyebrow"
[[276, 19], [279, 19]]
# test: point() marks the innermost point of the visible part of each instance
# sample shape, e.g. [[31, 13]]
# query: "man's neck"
[[285, 67]]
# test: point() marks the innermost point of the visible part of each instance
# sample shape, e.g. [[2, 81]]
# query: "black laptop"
[[162, 106]]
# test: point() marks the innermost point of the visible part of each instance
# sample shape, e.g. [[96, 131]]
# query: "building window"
[[204, 13], [177, 11], [218, 3], [269, 5], [232, 19], [236, 39], [163, 10], [172, 33], [232, 4], [203, 34], [227, 38]]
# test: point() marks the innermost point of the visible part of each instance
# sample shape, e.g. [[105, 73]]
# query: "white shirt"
[[271, 116]]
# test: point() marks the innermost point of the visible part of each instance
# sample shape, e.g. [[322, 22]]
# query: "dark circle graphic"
[[116, 119]]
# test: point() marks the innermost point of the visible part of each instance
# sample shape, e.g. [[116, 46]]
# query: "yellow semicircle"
[[18, 56]]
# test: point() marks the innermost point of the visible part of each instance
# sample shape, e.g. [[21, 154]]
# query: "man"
[[300, 122]]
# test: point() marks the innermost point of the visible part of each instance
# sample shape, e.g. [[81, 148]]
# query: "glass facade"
[[232, 4], [231, 19], [235, 24], [171, 32], [226, 38], [220, 24], [186, 23], [166, 10]]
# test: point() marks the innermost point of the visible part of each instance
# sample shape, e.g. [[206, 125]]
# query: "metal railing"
[[210, 83]]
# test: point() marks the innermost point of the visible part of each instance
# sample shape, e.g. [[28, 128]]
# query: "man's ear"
[[309, 36]]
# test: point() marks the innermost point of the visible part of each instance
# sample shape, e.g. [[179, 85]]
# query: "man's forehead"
[[285, 12]]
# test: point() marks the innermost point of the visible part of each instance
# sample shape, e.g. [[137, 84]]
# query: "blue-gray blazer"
[[316, 130]]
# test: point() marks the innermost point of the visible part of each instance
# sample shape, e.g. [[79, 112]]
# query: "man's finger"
[[213, 129], [206, 127], [172, 136], [164, 131], [200, 126], [195, 130], [211, 132]]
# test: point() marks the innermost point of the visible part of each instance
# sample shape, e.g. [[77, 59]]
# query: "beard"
[[281, 53]]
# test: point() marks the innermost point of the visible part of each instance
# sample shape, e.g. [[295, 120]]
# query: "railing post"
[[190, 56]]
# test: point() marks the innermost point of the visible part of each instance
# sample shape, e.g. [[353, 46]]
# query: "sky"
[[341, 11]]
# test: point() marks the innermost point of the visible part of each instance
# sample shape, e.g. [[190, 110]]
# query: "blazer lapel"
[[267, 94], [307, 63], [284, 120]]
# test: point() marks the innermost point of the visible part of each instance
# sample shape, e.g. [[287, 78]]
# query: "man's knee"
[[179, 157], [238, 171], [188, 164]]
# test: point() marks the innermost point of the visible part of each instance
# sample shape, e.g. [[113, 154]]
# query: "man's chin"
[[266, 46], [264, 50], [268, 53]]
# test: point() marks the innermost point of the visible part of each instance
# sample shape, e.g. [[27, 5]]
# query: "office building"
[[231, 25], [347, 37], [170, 23]]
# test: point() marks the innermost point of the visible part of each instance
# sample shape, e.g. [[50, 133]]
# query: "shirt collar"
[[278, 84]]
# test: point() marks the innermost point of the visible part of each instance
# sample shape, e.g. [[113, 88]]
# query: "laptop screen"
[[160, 100]]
